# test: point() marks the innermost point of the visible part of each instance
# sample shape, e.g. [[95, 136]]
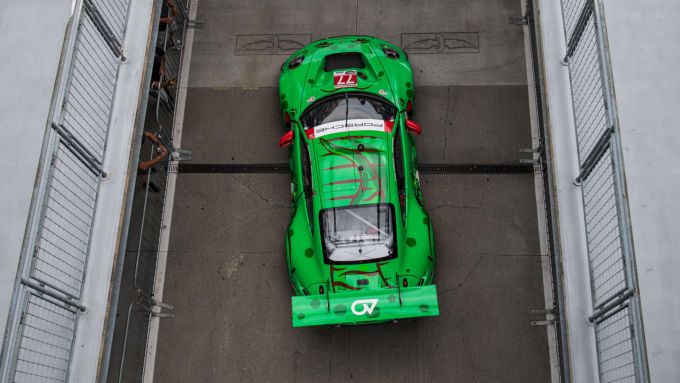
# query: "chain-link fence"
[[42, 326], [136, 303], [610, 256]]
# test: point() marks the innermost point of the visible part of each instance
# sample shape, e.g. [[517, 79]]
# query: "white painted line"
[[166, 221]]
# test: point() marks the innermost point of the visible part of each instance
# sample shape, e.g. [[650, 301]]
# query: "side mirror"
[[413, 127], [286, 139]]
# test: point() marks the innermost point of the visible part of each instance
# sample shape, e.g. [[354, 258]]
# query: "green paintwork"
[[390, 304], [336, 182]]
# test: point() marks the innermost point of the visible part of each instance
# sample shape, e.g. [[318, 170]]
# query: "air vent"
[[344, 61], [324, 44], [390, 52]]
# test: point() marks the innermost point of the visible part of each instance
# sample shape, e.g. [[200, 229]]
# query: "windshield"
[[357, 234], [348, 106]]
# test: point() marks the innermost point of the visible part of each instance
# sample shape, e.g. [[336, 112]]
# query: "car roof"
[[352, 169]]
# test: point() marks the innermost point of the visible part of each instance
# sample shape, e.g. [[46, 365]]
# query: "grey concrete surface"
[[647, 96], [226, 272], [233, 125], [472, 124], [227, 278], [462, 124], [498, 61], [24, 110]]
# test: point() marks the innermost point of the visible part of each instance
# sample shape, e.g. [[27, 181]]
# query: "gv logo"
[[368, 306]]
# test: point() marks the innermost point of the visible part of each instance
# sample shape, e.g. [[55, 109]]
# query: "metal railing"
[[544, 168], [616, 313], [149, 207], [42, 323]]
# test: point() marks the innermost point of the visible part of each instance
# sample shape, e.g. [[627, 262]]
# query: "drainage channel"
[[424, 168]]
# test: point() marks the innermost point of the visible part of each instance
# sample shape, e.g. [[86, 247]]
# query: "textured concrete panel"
[[482, 214], [233, 125], [215, 61], [472, 124], [497, 58], [227, 278], [440, 42], [226, 271], [277, 44], [460, 125], [230, 212]]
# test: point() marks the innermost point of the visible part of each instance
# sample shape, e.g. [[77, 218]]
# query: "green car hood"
[[365, 306], [301, 86]]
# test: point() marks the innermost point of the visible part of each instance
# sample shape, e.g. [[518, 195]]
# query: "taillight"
[[405, 283], [286, 117], [321, 290], [409, 106]]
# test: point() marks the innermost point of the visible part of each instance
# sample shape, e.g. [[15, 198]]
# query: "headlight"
[[295, 62]]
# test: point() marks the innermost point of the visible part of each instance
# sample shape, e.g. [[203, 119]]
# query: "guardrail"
[[149, 202], [616, 313], [545, 169], [48, 291]]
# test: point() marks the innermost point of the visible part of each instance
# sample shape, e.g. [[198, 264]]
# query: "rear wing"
[[365, 306]]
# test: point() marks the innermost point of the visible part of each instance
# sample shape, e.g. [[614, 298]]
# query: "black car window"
[[399, 170], [358, 233], [343, 61], [347, 106], [307, 180]]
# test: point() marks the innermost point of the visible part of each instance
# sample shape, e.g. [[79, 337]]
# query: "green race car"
[[360, 246]]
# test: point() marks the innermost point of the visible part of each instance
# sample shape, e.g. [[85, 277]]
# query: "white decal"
[[346, 79], [350, 126], [368, 306], [311, 99]]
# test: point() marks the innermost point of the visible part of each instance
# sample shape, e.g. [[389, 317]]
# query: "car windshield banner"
[[348, 126]]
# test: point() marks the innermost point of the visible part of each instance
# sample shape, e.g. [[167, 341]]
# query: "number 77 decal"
[[346, 79]]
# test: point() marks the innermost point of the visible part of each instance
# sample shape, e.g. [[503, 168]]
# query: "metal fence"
[[614, 293], [42, 326], [148, 205], [555, 313]]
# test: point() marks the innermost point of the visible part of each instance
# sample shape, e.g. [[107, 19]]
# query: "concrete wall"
[[32, 34], [645, 52], [642, 37], [109, 221]]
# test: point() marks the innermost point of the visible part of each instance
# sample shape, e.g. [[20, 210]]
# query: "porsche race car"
[[360, 245]]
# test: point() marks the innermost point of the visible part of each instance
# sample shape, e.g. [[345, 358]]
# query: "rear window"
[[343, 61], [358, 234]]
